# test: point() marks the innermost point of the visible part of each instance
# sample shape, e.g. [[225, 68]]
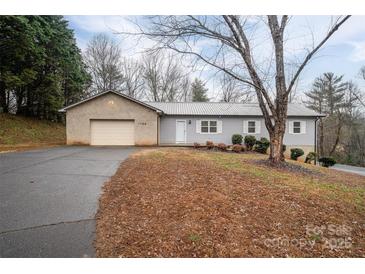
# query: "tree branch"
[[310, 54]]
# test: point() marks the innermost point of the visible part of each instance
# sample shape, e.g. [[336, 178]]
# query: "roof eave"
[[238, 115], [111, 91]]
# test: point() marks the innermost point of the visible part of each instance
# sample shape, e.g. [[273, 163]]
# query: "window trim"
[[248, 127], [256, 129], [211, 120], [300, 127]]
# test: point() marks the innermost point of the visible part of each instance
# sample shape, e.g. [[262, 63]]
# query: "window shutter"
[[303, 127], [258, 127], [219, 126], [198, 126], [245, 126], [290, 127]]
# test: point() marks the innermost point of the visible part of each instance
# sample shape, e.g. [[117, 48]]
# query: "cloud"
[[87, 26], [95, 24], [358, 51]]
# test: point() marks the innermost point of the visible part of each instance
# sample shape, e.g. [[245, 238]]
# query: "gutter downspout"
[[315, 140], [159, 114], [158, 130]]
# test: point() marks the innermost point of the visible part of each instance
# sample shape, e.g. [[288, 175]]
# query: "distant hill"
[[18, 131]]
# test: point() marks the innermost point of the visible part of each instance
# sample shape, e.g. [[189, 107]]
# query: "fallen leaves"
[[180, 203]]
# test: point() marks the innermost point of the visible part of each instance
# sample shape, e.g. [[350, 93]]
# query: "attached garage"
[[112, 133], [112, 118]]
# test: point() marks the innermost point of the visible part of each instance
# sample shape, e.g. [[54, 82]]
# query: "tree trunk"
[[3, 100], [276, 142], [338, 133], [276, 148], [19, 102]]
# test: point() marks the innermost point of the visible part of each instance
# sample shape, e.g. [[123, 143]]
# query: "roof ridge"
[[106, 92], [236, 103], [232, 103]]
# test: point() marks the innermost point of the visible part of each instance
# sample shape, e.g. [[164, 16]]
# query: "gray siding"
[[230, 126]]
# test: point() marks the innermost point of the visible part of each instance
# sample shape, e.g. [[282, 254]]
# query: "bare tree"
[[133, 81], [103, 60], [232, 53], [350, 142], [362, 72], [360, 96], [164, 78], [233, 91]]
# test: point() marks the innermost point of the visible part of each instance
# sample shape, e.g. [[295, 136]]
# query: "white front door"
[[180, 131]]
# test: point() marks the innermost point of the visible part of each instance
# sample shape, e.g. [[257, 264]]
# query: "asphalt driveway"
[[351, 169], [49, 197]]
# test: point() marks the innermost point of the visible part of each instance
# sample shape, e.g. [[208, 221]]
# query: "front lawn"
[[191, 203]]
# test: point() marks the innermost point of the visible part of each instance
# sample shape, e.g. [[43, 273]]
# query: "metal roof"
[[225, 109], [206, 108]]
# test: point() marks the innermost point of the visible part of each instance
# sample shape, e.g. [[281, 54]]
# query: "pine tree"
[[40, 65], [328, 96], [199, 91]]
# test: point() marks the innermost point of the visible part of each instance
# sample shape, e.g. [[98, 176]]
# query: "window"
[[251, 127], [296, 127], [205, 126], [209, 127], [213, 126]]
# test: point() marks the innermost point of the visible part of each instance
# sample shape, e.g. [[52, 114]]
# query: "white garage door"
[[112, 133]]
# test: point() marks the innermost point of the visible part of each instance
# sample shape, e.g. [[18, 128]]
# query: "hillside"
[[22, 132]]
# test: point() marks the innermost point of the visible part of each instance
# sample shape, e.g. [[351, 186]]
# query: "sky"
[[343, 54]]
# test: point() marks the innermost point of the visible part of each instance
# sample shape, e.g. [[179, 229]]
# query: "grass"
[[327, 186], [194, 238], [196, 203], [17, 131]]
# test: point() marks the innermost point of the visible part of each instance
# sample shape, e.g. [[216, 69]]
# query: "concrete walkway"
[[49, 197], [351, 169]]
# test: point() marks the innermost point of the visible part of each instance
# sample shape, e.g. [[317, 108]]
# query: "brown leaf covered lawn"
[[191, 203]]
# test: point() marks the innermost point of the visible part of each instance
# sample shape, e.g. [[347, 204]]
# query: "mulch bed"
[[169, 203]]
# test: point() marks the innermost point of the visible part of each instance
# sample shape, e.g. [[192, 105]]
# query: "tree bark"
[[338, 133], [19, 102], [3, 100], [276, 141]]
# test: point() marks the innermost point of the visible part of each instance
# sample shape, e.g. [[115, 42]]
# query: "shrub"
[[311, 156], [237, 139], [327, 161], [250, 141], [295, 153], [197, 145], [262, 145], [222, 147], [237, 148], [243, 148], [210, 144]]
